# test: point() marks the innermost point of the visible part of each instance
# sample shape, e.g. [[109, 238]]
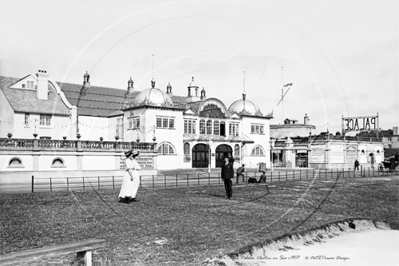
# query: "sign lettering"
[[359, 123]]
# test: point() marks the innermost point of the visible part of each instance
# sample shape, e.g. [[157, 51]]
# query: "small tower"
[[86, 80], [192, 86], [130, 87], [169, 89], [203, 94]]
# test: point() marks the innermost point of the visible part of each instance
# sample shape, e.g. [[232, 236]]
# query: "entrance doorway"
[[222, 151], [200, 156]]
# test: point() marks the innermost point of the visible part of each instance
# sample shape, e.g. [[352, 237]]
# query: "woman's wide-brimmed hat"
[[132, 152]]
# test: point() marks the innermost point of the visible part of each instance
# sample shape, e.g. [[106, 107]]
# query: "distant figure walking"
[[240, 172], [131, 178], [227, 174], [357, 165]]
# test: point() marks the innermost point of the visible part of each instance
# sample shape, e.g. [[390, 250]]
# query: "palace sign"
[[364, 123]]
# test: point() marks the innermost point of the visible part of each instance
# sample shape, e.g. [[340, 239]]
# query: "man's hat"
[[136, 152]]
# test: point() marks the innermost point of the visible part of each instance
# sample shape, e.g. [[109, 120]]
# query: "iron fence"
[[66, 183]]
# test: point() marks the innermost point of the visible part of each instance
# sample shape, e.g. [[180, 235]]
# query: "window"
[[233, 129], [165, 122], [216, 130], [202, 127], [166, 148], [186, 148], [209, 127], [236, 150], [134, 122], [58, 162], [257, 151], [15, 163], [189, 126], [389, 138], [30, 84], [26, 121], [257, 129], [45, 120]]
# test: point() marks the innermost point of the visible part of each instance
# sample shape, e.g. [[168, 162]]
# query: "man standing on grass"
[[356, 165], [227, 175]]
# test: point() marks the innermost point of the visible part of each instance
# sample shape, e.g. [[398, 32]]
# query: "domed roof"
[[153, 96], [192, 83], [244, 106]]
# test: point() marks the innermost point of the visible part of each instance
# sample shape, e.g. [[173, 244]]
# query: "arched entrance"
[[200, 156], [222, 151]]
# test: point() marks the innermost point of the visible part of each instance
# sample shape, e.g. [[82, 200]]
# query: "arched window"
[[187, 149], [15, 163], [165, 148], [209, 127], [258, 151], [236, 150], [57, 162], [202, 126], [216, 130]]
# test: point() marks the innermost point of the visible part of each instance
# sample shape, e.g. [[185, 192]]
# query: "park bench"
[[81, 248]]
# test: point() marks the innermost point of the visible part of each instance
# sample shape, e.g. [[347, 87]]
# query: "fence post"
[[98, 182], [198, 179], [113, 183], [286, 175], [68, 183], [51, 185], [33, 182], [153, 185], [164, 178], [300, 175], [187, 181], [209, 179], [343, 172], [176, 180]]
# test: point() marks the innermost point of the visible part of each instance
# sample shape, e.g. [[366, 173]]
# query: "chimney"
[[86, 80], [130, 87], [42, 85], [395, 130], [306, 119]]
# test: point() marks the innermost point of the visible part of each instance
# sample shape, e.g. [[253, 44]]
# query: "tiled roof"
[[101, 101], [26, 101]]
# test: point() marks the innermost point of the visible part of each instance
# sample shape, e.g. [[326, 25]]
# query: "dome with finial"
[[245, 107], [153, 96]]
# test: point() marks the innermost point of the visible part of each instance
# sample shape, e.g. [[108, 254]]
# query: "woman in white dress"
[[131, 178]]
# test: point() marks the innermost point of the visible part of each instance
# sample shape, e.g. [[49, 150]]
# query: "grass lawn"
[[185, 226]]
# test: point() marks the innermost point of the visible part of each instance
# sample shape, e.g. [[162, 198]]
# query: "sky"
[[340, 55]]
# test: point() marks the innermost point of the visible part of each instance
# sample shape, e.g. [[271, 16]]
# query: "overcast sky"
[[341, 55]]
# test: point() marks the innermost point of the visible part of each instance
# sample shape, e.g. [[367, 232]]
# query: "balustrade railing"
[[82, 145], [16, 143]]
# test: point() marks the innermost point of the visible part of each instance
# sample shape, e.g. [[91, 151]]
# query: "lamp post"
[[271, 153]]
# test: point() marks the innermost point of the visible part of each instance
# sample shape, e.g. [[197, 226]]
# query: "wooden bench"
[[81, 248]]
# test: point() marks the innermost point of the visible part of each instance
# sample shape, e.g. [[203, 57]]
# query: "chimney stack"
[[42, 85], [306, 119]]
